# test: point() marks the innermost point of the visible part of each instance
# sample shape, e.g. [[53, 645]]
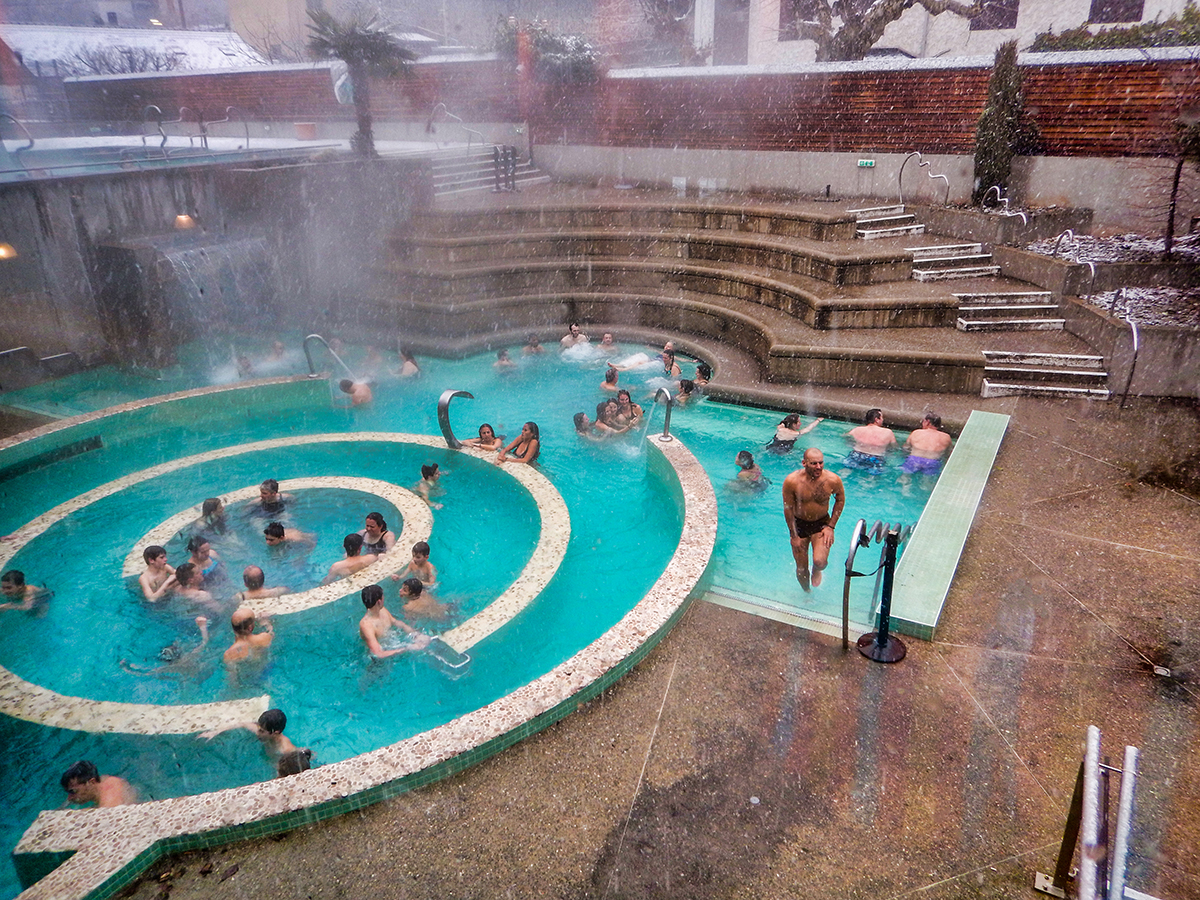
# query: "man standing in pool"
[[355, 560], [806, 494], [255, 581], [927, 445], [270, 501], [871, 443]]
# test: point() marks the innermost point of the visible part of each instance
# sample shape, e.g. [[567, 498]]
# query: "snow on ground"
[[1148, 306]]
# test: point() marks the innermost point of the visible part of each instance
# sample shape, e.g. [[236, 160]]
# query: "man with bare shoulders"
[[378, 622], [84, 784], [927, 445], [188, 586], [254, 579], [248, 649], [355, 560], [871, 443], [806, 494]]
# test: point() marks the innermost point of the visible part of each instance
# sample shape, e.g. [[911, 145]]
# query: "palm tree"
[[367, 48]]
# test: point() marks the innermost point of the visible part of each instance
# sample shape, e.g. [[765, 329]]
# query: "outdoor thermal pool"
[[624, 526]]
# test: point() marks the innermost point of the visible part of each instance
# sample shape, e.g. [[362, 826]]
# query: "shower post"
[[881, 646]]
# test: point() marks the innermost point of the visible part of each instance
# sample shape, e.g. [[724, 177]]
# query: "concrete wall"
[[1126, 194], [327, 225]]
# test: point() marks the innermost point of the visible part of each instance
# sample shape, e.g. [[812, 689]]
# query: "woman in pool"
[[487, 439], [586, 428], [786, 433], [212, 517], [686, 393], [703, 374], [525, 447], [670, 367], [629, 413], [610, 380], [749, 477], [203, 557], [607, 418]]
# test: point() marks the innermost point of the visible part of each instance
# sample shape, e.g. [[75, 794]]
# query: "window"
[[1116, 11], [996, 14]]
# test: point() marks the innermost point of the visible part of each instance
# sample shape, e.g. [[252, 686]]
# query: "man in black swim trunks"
[[806, 494]]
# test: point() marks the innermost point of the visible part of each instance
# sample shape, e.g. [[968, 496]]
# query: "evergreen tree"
[[1002, 133]]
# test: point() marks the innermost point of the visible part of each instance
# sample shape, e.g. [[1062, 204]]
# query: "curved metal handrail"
[[1058, 240], [663, 394], [1003, 201], [228, 110], [312, 369], [449, 115], [1133, 364], [920, 165], [20, 125], [159, 122], [443, 414]]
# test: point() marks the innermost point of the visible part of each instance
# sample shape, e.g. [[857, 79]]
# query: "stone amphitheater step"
[[1008, 373], [877, 222], [1009, 311], [948, 274], [943, 262]]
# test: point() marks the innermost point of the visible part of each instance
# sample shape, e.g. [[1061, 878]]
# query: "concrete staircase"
[[1008, 373], [947, 261], [885, 221], [461, 172], [1008, 311]]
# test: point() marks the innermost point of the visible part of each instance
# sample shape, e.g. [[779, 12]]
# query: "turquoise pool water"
[[624, 529]]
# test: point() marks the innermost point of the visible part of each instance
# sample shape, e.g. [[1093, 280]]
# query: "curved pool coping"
[[95, 853]]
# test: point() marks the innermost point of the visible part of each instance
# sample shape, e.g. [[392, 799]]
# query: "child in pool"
[[428, 486], [749, 477], [420, 605], [420, 567]]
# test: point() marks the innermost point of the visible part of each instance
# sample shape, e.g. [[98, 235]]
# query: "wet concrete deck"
[[744, 758]]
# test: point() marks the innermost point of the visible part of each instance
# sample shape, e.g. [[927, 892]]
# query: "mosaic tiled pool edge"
[[109, 847]]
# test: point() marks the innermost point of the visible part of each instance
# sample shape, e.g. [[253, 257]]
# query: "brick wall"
[[1098, 109]]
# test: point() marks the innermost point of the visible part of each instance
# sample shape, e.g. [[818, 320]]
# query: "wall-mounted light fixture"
[[183, 221], [7, 251]]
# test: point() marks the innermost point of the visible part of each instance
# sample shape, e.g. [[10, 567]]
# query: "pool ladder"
[[880, 645]]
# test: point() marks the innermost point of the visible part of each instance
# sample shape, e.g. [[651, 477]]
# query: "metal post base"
[[893, 651]]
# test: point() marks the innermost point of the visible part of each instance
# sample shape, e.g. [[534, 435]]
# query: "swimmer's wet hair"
[[184, 573], [253, 577], [352, 544], [686, 385], [414, 586], [275, 530], [153, 552], [14, 577], [933, 419], [273, 720], [421, 547], [579, 419], [294, 762], [426, 471], [271, 485], [210, 506], [244, 625], [791, 420], [82, 771], [745, 459], [377, 518], [371, 595], [346, 385], [871, 415], [610, 376], [704, 370], [196, 542]]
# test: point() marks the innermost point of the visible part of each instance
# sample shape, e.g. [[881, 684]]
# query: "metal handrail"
[[1003, 201], [449, 115], [312, 369], [663, 394], [1058, 240], [443, 415], [921, 165], [159, 121], [1133, 364], [20, 125], [861, 536], [228, 110]]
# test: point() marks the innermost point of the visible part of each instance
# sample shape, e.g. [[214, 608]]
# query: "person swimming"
[[749, 477], [786, 433]]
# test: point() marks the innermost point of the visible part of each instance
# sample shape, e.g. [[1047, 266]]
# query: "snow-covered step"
[[984, 324], [998, 389], [1021, 310], [1003, 298], [1041, 376], [1066, 360], [868, 234], [947, 274], [945, 251]]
